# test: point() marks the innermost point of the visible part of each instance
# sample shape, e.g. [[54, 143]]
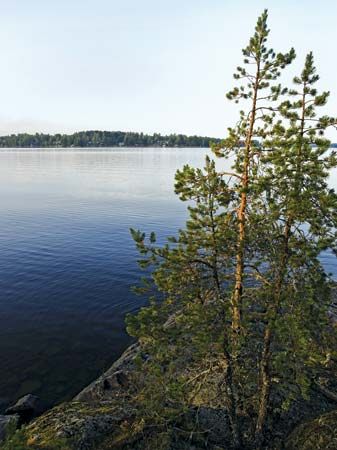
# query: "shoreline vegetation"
[[94, 138], [111, 139]]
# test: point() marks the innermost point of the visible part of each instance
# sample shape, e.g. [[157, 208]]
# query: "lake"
[[67, 261]]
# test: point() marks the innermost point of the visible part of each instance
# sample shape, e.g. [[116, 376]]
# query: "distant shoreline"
[[118, 147], [101, 148], [105, 139], [108, 139]]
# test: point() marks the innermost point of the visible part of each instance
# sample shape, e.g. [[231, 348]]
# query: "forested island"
[[97, 138], [104, 139]]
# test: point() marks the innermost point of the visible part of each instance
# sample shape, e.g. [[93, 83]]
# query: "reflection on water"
[[67, 261]]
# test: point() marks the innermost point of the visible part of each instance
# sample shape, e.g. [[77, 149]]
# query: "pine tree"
[[186, 325], [304, 213], [262, 69], [239, 303]]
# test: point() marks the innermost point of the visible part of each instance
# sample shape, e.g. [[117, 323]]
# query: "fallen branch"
[[325, 391]]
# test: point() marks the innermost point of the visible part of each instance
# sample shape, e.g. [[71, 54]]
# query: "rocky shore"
[[102, 416], [97, 411]]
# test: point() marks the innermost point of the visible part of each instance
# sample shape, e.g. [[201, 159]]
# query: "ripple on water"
[[67, 261]]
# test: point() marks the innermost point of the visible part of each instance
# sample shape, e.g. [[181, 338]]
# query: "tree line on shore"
[[104, 139]]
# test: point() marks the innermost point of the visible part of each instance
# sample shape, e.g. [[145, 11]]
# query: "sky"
[[145, 65]]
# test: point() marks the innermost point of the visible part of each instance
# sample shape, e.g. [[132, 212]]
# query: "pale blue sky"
[[146, 65]]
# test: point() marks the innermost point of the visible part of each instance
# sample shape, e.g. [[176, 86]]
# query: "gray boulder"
[[81, 425], [115, 379], [27, 408]]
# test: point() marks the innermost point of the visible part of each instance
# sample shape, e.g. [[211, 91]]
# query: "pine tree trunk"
[[231, 402], [265, 380], [265, 375], [241, 216], [228, 371], [232, 359], [236, 300]]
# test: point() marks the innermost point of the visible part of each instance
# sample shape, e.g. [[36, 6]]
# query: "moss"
[[318, 434], [43, 432], [19, 440], [76, 425]]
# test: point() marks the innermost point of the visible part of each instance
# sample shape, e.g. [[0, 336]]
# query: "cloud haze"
[[145, 66]]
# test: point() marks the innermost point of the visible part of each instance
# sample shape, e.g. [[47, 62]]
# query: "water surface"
[[67, 261]]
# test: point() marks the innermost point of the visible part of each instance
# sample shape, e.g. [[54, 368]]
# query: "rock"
[[7, 424], [215, 423], [80, 425], [27, 408], [115, 378]]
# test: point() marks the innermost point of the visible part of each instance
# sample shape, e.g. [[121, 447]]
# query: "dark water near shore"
[[67, 261]]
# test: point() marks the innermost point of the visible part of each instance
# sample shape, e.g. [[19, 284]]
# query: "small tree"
[[260, 90], [183, 329], [303, 212]]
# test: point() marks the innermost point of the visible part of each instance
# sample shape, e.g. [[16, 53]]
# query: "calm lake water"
[[67, 261]]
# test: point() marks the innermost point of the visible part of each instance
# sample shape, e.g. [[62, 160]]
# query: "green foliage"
[[279, 179], [18, 440], [182, 330], [104, 139]]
